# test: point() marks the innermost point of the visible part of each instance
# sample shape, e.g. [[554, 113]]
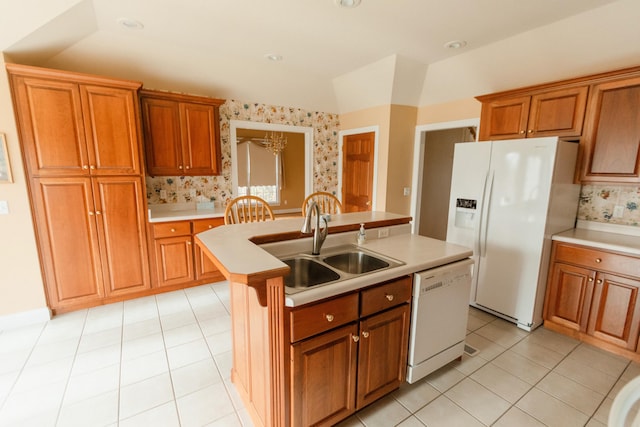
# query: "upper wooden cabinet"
[[612, 134], [181, 134], [73, 125], [548, 113]]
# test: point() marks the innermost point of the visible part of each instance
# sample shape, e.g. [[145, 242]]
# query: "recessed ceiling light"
[[273, 57], [347, 3], [455, 44], [130, 24]]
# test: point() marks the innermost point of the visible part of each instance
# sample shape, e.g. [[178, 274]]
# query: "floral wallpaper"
[[185, 189], [597, 203]]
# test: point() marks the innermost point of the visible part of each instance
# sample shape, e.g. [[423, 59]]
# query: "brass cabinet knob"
[[210, 226], [186, 167], [98, 213], [173, 230], [521, 132], [365, 334], [355, 338], [530, 131], [188, 243], [389, 297], [329, 317], [92, 167], [180, 167], [598, 260], [90, 213], [590, 279], [599, 281], [85, 167]]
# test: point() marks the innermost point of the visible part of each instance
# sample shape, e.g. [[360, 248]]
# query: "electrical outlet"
[[4, 207], [383, 232], [163, 194], [192, 192], [618, 211], [406, 191]]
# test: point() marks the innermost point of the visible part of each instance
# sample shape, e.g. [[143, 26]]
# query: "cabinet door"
[[174, 260], [323, 374], [161, 119], [200, 141], [615, 314], [504, 118], [382, 359], [49, 114], [558, 113], [111, 126], [120, 212], [569, 296], [612, 136], [66, 226]]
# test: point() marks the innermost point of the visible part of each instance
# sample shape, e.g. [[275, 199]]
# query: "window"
[[264, 181]]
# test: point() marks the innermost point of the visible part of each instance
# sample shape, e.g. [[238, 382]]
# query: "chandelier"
[[275, 142]]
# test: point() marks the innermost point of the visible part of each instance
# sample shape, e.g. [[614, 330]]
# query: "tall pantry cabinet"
[[82, 152]]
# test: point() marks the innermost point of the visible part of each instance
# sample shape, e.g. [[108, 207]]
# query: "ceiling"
[[185, 44]]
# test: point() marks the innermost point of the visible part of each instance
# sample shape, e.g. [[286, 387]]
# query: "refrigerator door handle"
[[485, 215]]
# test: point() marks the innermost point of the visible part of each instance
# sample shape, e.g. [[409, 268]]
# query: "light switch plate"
[[4, 207], [618, 211]]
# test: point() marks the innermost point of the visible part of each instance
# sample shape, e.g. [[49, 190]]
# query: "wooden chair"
[[247, 209], [328, 203]]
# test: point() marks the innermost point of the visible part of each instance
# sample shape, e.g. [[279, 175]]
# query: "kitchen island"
[[270, 324]]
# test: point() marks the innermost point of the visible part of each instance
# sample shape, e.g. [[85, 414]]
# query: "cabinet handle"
[[186, 167], [85, 167], [210, 226], [590, 279], [389, 297], [355, 338], [530, 131], [92, 167], [365, 334], [188, 243], [521, 132], [329, 317], [173, 230], [599, 281], [98, 213], [180, 167], [90, 213], [598, 260]]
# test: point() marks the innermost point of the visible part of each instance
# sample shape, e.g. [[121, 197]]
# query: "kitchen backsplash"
[[598, 202], [218, 188]]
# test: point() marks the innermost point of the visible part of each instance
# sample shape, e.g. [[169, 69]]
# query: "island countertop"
[[249, 253]]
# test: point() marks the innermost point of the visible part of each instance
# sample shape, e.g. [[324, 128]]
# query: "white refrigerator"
[[507, 199]]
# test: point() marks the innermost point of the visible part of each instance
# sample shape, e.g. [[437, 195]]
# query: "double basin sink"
[[332, 265]]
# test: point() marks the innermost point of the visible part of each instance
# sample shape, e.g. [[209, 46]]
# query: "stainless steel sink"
[[355, 262], [306, 272]]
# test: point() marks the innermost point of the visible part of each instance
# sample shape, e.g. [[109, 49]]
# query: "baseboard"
[[25, 318]]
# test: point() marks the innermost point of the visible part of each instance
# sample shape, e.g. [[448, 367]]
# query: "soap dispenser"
[[362, 236]]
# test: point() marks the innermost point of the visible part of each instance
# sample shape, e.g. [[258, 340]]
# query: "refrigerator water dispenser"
[[466, 210]]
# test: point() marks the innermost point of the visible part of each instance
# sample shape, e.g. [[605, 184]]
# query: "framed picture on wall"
[[5, 164]]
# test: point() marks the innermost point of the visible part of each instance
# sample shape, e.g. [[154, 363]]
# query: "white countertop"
[[242, 259], [182, 212], [603, 236]]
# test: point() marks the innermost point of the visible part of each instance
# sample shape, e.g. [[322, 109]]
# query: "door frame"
[[275, 127], [418, 160], [341, 134]]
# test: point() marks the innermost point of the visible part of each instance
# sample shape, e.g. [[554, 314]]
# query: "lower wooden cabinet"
[[335, 373], [587, 300], [178, 260]]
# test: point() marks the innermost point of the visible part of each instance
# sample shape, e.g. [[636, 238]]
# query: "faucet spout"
[[318, 234]]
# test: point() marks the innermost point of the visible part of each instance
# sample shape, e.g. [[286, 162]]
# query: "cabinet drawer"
[[201, 225], [171, 229], [385, 296], [598, 260], [317, 318]]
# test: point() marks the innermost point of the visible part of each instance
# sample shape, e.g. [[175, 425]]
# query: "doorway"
[[432, 174]]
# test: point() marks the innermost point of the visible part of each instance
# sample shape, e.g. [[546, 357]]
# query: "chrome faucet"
[[318, 236]]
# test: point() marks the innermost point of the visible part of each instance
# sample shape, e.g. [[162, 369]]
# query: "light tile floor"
[[165, 361]]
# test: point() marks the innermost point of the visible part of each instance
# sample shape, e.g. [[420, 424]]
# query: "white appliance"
[[438, 317], [507, 199]]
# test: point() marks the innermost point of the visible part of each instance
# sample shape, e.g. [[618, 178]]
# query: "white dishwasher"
[[438, 317]]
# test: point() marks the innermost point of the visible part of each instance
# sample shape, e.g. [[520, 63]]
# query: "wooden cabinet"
[[612, 134], [593, 295], [178, 260], [344, 358], [548, 113], [181, 133], [81, 149]]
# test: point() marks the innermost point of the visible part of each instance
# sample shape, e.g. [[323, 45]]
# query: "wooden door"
[[200, 142], [174, 260], [111, 125], [357, 172], [558, 113], [51, 126], [65, 221], [205, 268], [121, 215], [612, 135], [382, 358], [615, 314], [569, 296], [504, 118], [161, 119], [324, 378]]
